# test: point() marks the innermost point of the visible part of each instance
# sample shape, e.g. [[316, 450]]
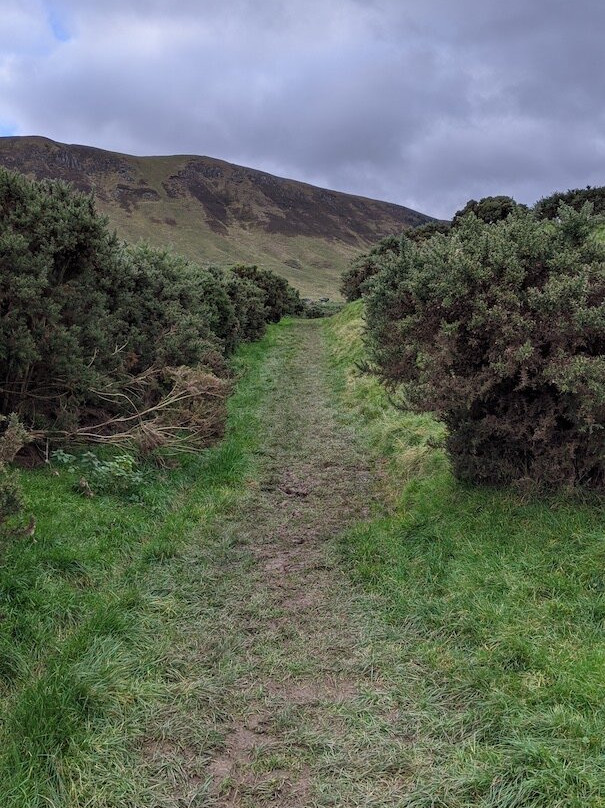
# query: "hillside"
[[216, 212]]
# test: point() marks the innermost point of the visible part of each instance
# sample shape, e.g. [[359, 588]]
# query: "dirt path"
[[284, 693]]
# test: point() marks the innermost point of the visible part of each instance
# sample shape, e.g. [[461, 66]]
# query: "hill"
[[216, 212]]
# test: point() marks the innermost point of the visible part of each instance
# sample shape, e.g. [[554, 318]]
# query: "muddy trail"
[[283, 683]]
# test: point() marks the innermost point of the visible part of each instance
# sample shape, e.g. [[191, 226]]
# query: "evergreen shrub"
[[500, 330]]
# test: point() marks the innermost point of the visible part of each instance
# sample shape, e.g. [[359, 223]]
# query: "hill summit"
[[216, 212]]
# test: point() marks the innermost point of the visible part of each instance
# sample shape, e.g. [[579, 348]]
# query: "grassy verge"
[[504, 598], [84, 629]]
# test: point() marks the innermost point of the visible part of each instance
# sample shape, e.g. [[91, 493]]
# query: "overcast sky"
[[422, 102]]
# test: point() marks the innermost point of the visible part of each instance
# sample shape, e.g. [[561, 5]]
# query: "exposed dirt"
[[299, 715], [311, 487]]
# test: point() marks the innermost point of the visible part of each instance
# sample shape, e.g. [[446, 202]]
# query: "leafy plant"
[[490, 209], [354, 281], [548, 207], [120, 475], [94, 335], [281, 298]]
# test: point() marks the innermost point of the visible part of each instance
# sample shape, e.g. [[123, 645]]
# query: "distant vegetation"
[[548, 207], [216, 213], [498, 327], [490, 209]]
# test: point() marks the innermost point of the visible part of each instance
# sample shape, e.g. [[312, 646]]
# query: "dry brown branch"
[[177, 409]]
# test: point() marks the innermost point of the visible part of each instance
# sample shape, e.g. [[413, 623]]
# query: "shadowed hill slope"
[[216, 212]]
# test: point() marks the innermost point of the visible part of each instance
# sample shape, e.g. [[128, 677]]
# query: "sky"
[[427, 103]]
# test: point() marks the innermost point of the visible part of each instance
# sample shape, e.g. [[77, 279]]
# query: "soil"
[[303, 717]]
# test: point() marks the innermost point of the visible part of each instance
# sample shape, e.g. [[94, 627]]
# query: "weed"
[[120, 474]]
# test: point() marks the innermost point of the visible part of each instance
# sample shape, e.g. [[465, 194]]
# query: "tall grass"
[[504, 597]]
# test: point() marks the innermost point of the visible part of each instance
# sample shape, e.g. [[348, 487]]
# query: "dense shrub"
[[548, 207], [490, 209], [170, 311], [500, 329], [99, 340], [281, 298], [426, 231], [57, 260], [354, 280], [249, 303], [12, 438]]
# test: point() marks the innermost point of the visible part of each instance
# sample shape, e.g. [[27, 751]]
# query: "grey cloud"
[[425, 103]]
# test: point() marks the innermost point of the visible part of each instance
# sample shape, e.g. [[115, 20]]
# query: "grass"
[[145, 636], [504, 599], [85, 632]]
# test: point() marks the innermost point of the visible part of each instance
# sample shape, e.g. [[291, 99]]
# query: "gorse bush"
[[281, 299], [95, 335], [169, 311], [426, 231], [548, 207], [490, 209], [12, 438], [354, 280], [500, 330], [57, 263], [249, 303]]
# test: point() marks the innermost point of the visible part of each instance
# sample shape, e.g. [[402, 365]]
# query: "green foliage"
[[120, 474], [11, 497], [490, 209], [281, 298], [355, 281], [12, 438], [92, 331], [169, 311], [501, 596], [426, 231], [548, 207], [249, 303], [500, 330], [56, 266], [364, 267]]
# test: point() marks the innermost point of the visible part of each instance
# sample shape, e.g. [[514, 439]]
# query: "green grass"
[[504, 598], [120, 629], [84, 629]]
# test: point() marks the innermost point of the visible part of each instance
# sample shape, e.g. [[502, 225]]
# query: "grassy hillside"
[[215, 212]]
